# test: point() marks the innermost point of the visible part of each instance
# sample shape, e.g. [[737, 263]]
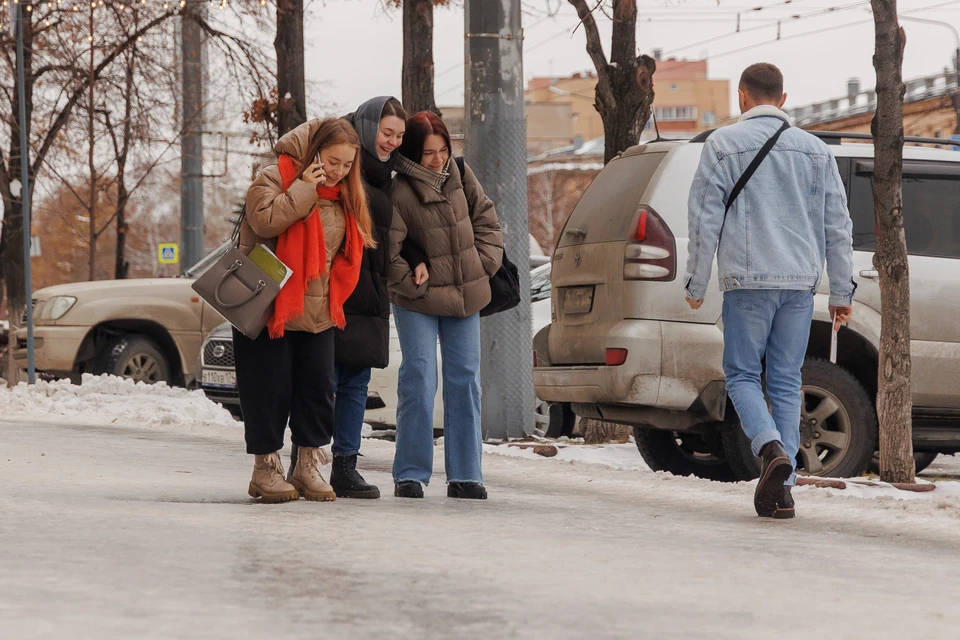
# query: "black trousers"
[[288, 378]]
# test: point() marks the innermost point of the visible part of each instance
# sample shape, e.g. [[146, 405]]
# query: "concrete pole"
[[191, 140], [495, 148], [24, 197]]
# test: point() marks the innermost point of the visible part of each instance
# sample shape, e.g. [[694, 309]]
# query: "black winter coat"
[[365, 341]]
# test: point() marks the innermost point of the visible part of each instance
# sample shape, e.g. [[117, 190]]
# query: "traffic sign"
[[169, 253]]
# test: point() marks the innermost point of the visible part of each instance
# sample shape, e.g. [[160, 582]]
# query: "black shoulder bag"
[[505, 283]]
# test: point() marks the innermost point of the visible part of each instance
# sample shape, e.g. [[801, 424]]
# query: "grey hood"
[[366, 120]]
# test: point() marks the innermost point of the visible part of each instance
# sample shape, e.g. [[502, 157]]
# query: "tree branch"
[[595, 49], [623, 48]]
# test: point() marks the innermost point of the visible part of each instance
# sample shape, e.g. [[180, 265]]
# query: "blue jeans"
[[350, 387], [771, 323], [460, 351]]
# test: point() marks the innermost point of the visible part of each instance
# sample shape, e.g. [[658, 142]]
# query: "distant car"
[[218, 378], [146, 329]]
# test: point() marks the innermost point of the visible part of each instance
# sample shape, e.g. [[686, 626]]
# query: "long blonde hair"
[[353, 196]]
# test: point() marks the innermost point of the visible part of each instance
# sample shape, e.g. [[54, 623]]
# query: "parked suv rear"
[[625, 347]]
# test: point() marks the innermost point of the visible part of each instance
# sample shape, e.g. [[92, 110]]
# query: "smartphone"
[[833, 338]]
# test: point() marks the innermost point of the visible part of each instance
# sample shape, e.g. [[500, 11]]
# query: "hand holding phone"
[[314, 174]]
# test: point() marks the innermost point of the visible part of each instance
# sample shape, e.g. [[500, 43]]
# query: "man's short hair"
[[762, 81]]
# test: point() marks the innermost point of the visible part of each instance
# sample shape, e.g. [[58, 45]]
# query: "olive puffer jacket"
[[459, 231], [271, 211]]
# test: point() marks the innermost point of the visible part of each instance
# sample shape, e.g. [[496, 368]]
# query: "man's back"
[[780, 229]]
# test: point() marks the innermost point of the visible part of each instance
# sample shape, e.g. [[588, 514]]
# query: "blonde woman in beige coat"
[[452, 220], [311, 210]]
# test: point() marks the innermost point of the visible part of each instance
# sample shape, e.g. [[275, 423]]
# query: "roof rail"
[[835, 137]]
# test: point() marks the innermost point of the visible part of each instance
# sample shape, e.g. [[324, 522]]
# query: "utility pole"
[[191, 139], [91, 157], [25, 191], [496, 150]]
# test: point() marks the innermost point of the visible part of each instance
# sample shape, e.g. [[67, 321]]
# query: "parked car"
[[218, 378], [147, 329], [625, 347]]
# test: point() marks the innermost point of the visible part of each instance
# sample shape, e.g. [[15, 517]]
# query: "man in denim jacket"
[[790, 218]]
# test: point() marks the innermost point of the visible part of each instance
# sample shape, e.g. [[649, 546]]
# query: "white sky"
[[354, 48]]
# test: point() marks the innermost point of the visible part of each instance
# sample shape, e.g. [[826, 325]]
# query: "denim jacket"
[[789, 219]]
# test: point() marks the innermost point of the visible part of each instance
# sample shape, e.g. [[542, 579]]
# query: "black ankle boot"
[[775, 469], [408, 489], [347, 481], [467, 490], [786, 508]]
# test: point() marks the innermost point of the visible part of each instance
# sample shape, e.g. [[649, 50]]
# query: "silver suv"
[[623, 346]]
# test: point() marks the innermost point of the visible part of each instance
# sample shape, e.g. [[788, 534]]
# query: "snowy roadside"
[[109, 400]]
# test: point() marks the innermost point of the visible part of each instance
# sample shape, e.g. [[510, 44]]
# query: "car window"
[[211, 258], [540, 283], [931, 214], [609, 204]]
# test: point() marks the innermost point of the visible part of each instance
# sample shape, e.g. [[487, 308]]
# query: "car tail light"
[[651, 252], [616, 357]]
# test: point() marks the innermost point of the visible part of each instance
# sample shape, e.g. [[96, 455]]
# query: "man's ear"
[[783, 100]]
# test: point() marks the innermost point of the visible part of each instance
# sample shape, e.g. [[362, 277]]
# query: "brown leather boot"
[[306, 475], [267, 482], [775, 469], [786, 508]]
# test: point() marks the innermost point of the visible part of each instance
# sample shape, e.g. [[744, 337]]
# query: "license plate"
[[578, 300], [219, 378]]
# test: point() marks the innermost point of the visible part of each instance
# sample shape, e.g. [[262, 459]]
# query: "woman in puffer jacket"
[[310, 209], [453, 221]]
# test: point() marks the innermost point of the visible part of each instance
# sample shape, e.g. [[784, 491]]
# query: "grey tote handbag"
[[240, 290]]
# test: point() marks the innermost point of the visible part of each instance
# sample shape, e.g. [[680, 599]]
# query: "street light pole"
[[25, 191]]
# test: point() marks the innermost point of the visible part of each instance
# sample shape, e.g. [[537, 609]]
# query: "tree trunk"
[[894, 402], [291, 84], [625, 84], [599, 432], [417, 80]]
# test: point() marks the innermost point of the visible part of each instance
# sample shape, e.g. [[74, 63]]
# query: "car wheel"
[[135, 357], [555, 419], [838, 427], [682, 454], [921, 459]]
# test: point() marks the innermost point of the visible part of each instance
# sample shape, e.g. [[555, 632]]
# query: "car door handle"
[[871, 274]]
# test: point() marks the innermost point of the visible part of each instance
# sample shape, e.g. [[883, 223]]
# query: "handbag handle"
[[216, 292]]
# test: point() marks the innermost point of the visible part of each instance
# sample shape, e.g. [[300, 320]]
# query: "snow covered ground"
[[124, 515]]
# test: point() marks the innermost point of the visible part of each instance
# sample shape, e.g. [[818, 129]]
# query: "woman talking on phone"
[[311, 210]]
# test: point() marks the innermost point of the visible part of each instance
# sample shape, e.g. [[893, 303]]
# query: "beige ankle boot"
[[267, 481], [306, 475]]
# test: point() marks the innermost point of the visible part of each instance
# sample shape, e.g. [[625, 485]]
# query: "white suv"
[[623, 346]]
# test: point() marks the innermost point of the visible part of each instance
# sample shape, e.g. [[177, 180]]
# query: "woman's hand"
[[314, 174], [420, 274]]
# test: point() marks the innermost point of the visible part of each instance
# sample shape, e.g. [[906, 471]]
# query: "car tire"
[[135, 357], [681, 454], [922, 460], [844, 448], [561, 420]]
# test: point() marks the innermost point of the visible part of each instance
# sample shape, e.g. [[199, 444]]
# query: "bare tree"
[[291, 83], [417, 74], [625, 83], [894, 402]]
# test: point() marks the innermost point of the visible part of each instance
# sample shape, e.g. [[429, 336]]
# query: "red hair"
[[421, 126]]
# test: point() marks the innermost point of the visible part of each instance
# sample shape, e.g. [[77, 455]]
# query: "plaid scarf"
[[417, 171]]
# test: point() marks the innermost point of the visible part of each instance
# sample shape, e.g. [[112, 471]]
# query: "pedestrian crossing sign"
[[169, 253]]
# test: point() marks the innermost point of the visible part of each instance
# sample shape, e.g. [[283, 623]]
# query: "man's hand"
[[694, 304], [840, 315]]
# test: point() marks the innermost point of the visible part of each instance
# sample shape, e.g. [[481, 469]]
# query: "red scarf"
[[302, 248]]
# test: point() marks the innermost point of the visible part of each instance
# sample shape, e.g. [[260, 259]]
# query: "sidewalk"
[[121, 531]]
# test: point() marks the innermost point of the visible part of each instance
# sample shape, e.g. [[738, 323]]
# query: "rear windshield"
[[608, 206]]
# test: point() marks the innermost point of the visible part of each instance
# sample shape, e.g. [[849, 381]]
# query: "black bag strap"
[[460, 165], [753, 166]]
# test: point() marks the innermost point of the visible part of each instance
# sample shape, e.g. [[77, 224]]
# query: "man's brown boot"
[[775, 468], [306, 475], [267, 482]]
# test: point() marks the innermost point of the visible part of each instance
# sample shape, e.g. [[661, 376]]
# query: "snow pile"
[[109, 399]]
